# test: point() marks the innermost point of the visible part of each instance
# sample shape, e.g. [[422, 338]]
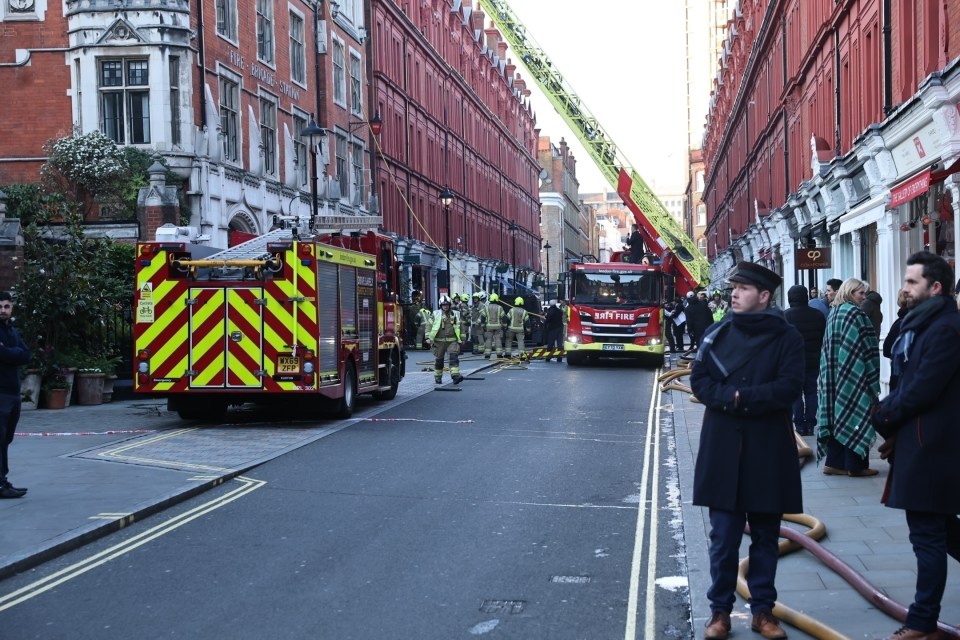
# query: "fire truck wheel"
[[204, 408], [345, 404], [576, 359]]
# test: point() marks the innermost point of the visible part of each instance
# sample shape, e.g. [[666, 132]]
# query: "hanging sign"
[[813, 258]]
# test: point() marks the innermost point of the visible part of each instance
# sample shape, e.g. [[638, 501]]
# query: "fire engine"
[[288, 315], [615, 310]]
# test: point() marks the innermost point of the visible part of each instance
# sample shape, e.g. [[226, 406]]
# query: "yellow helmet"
[[518, 302], [494, 297]]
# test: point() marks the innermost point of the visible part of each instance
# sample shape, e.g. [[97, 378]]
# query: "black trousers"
[[726, 533], [9, 417], [933, 536]]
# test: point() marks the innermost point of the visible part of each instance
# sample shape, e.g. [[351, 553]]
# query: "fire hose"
[[795, 540]]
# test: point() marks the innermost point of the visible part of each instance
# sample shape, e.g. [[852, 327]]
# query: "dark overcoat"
[[922, 413], [748, 460]]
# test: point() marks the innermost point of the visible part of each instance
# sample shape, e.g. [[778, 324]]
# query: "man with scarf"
[[748, 373], [918, 421]]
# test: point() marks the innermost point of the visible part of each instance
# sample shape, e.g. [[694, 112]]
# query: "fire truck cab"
[[288, 315], [615, 311]]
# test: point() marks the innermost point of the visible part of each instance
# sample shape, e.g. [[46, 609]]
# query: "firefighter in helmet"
[[519, 318], [463, 308], [422, 319], [493, 328], [444, 335], [476, 322]]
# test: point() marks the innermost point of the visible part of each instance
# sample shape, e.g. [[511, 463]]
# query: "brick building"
[[221, 89], [455, 115], [834, 126]]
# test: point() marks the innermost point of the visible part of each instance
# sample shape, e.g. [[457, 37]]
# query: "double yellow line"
[[247, 485]]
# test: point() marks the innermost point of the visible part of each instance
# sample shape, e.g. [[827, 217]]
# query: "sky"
[[625, 59]]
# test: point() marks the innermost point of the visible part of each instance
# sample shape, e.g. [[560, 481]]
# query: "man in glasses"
[[13, 354]]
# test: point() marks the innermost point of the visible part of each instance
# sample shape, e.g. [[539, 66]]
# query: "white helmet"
[[445, 299]]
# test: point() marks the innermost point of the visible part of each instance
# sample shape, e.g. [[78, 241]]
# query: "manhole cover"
[[570, 579]]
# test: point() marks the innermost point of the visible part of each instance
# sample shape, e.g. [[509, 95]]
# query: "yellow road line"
[[43, 585]]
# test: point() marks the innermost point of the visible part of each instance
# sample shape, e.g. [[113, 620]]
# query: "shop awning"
[[919, 184]]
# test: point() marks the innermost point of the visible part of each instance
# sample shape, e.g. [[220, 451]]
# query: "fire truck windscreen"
[[599, 289]]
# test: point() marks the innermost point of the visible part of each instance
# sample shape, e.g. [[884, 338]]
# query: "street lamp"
[[513, 258], [315, 135], [446, 197], [546, 288]]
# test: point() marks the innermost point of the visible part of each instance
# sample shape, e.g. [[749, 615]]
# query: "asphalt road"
[[527, 505]]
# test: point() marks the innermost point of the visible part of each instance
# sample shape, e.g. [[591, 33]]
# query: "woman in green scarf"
[[849, 385]]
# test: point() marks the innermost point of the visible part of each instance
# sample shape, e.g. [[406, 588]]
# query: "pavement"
[[92, 470], [869, 537]]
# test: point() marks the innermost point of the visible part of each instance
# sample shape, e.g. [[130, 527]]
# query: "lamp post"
[[315, 135], [513, 250], [446, 197], [546, 288]]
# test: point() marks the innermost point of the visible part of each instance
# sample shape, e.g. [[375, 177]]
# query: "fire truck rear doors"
[[226, 338]]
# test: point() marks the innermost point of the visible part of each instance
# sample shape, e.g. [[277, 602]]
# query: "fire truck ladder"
[[661, 232]]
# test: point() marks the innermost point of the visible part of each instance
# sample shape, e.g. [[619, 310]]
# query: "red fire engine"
[[283, 316], [616, 310]]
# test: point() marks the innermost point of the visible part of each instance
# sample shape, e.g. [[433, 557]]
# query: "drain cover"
[[502, 606]]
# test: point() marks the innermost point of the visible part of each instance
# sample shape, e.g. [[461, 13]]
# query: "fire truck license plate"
[[287, 364], [613, 347]]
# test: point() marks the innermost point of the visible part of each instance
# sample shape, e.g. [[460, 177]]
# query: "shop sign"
[[813, 258], [907, 191]]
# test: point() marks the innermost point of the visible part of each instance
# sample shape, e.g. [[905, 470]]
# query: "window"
[[298, 60], [342, 175], [125, 101], [356, 96], [339, 80], [268, 135], [357, 157], [300, 147], [175, 100], [227, 19], [701, 215], [230, 119], [265, 31]]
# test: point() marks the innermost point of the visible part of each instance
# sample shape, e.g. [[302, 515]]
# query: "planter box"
[[89, 388], [30, 391], [55, 398]]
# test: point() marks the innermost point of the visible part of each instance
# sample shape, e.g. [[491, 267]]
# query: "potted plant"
[[56, 389]]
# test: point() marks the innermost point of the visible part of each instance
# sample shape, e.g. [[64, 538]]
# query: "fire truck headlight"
[[308, 367], [573, 339], [654, 341], [143, 367]]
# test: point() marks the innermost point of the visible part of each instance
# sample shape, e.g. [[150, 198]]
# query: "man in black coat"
[[748, 372], [812, 325], [553, 327], [918, 420], [699, 317], [635, 242]]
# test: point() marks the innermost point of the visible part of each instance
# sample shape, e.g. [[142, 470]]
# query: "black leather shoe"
[[7, 484], [457, 379], [9, 493]]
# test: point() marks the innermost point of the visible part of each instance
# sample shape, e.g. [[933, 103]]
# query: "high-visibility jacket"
[[494, 315], [425, 316], [443, 320], [518, 318]]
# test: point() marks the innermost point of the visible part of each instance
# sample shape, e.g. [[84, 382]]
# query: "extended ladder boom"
[[661, 232]]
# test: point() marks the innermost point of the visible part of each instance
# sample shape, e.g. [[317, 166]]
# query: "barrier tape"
[[416, 420]]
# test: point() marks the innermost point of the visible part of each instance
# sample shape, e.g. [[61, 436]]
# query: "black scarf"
[[739, 338], [916, 319]]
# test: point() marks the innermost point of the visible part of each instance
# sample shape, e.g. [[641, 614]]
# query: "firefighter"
[[463, 308], [476, 321], [444, 335], [493, 335], [423, 320], [519, 318]]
